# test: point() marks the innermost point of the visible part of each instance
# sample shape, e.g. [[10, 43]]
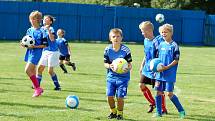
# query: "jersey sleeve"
[[128, 57], [44, 39], [53, 32], [66, 42], [106, 57], [176, 53]]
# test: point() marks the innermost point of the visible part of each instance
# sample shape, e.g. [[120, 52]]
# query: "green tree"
[[168, 4]]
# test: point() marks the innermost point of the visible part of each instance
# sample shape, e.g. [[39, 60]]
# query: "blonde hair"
[[36, 15], [115, 30], [146, 24], [168, 27]]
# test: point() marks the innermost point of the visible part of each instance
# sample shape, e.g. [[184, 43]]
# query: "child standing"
[[50, 54], [65, 51], [168, 52], [34, 52], [117, 84], [147, 76]]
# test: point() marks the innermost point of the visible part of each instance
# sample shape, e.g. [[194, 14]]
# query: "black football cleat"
[[112, 115], [151, 108]]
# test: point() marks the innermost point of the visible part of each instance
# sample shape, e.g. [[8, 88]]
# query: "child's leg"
[[62, 66], [71, 64], [111, 90], [175, 101], [164, 110], [147, 93], [159, 86], [30, 70], [172, 97], [120, 106], [40, 72], [158, 102], [54, 77]]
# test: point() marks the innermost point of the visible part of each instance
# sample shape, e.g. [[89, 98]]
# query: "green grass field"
[[194, 87]]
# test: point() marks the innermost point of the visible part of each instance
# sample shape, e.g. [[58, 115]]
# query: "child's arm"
[[168, 66], [141, 66], [69, 49], [51, 33]]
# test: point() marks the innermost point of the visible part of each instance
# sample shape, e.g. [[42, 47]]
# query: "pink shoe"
[[37, 92]]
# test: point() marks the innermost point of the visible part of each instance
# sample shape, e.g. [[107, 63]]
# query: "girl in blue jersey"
[[168, 52], [50, 54], [116, 83], [34, 52], [147, 76], [65, 51]]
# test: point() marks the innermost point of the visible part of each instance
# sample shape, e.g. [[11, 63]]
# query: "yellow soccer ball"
[[120, 65]]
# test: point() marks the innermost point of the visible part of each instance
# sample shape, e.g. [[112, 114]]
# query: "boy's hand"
[[163, 68], [112, 67], [31, 47], [21, 44], [47, 27], [126, 70]]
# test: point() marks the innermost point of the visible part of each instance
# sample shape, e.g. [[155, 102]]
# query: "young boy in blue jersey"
[[34, 52], [117, 84], [168, 52], [65, 51], [50, 54], [146, 75]]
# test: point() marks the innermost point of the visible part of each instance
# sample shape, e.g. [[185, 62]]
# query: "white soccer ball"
[[159, 18], [27, 41], [120, 65], [72, 101], [155, 64]]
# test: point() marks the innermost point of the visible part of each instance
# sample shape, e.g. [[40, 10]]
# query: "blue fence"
[[93, 22], [210, 30]]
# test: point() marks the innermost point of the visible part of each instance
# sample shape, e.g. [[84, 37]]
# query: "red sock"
[[34, 81], [147, 93], [163, 103]]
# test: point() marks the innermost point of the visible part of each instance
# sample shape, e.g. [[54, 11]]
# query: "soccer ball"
[[72, 101], [27, 41], [155, 64], [120, 64], [159, 18]]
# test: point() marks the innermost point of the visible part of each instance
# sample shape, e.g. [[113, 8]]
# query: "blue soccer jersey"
[[52, 45], [150, 53], [110, 55], [33, 55], [63, 46], [168, 52]]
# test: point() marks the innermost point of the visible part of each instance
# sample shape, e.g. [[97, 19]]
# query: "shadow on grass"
[[187, 73], [39, 106], [124, 118], [82, 91], [11, 78], [87, 73], [200, 117], [13, 115], [93, 100], [30, 105]]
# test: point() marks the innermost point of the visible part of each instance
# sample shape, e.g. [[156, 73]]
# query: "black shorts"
[[147, 80], [66, 58]]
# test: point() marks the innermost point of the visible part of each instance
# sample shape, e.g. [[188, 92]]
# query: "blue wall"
[[210, 30], [93, 22]]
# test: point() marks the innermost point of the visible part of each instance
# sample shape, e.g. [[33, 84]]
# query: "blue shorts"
[[164, 86], [33, 56], [117, 87]]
